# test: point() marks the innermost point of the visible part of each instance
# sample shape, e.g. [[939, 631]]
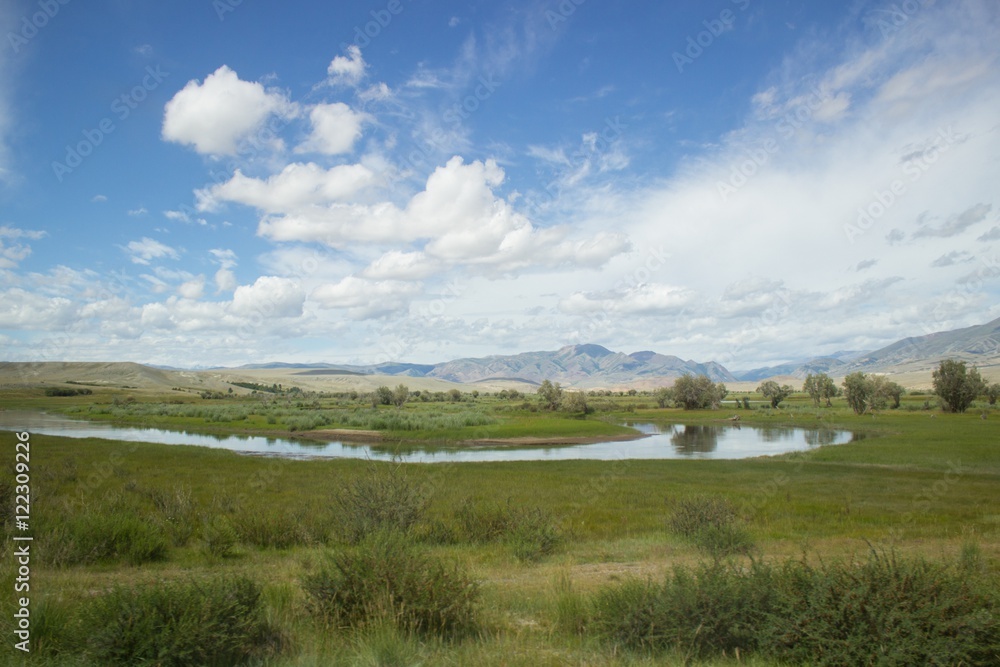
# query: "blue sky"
[[747, 181]]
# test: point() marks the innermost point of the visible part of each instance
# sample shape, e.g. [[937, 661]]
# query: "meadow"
[[885, 549]]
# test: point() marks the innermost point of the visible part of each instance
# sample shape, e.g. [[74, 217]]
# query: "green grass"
[[923, 486]]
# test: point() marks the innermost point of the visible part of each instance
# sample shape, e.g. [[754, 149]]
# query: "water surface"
[[674, 441]]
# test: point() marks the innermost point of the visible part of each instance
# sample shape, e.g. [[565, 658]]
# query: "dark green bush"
[[386, 579], [380, 498], [713, 609], [885, 611], [218, 622], [712, 524]]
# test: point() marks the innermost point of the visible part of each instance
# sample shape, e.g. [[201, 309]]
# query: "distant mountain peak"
[[589, 349]]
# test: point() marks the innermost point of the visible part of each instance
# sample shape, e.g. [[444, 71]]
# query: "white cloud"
[[397, 265], [645, 299], [146, 250], [347, 70], [215, 116], [193, 289], [366, 299], [269, 296], [99, 199], [335, 128], [460, 218], [297, 186], [135, 212]]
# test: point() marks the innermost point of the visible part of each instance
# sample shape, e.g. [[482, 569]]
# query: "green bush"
[[712, 524], [381, 498], [219, 622], [218, 537], [713, 609], [385, 579], [885, 611]]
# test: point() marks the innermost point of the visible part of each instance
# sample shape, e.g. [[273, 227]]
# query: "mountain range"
[[587, 366], [590, 365]]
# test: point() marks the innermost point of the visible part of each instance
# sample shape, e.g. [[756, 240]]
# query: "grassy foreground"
[[545, 546]]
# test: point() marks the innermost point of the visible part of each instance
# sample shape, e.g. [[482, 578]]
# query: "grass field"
[[544, 544]]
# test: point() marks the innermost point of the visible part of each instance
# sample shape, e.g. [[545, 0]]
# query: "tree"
[[399, 395], [858, 392], [774, 392], [575, 401], [993, 392], [551, 394], [383, 395], [663, 396], [697, 393], [820, 387], [957, 386]]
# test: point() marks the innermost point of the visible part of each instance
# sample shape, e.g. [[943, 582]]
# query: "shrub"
[[381, 498], [886, 611], [712, 524], [714, 609], [385, 579], [218, 622], [218, 537]]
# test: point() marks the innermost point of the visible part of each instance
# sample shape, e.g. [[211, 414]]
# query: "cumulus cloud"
[[11, 254], [216, 115], [365, 299], [347, 70], [459, 217], [297, 186], [335, 128], [269, 296], [146, 250]]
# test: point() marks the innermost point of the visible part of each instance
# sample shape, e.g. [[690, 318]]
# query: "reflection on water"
[[678, 441], [695, 439]]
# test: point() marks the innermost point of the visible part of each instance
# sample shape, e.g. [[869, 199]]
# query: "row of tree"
[[955, 384]]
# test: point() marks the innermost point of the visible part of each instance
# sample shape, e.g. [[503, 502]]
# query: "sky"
[[216, 183]]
